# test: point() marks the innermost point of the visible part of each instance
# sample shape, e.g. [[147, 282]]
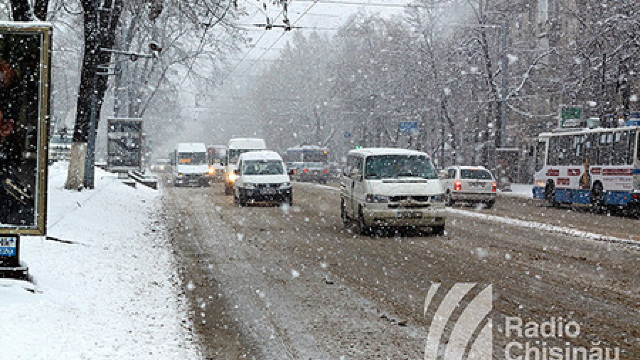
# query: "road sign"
[[570, 116], [408, 127], [347, 135]]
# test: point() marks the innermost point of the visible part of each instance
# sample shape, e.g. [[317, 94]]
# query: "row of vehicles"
[[380, 187]]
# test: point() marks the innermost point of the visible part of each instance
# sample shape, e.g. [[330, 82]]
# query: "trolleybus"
[[600, 167]]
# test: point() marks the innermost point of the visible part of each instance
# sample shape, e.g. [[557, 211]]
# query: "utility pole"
[[502, 129]]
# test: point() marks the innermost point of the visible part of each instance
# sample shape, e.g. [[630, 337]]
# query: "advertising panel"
[[124, 144], [25, 78]]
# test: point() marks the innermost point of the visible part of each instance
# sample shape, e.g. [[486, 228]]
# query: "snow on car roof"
[[191, 147], [386, 151], [261, 155], [469, 167]]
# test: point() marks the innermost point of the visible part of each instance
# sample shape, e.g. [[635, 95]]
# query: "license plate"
[[268, 191], [8, 246], [409, 215]]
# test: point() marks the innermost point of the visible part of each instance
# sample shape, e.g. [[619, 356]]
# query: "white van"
[[190, 165], [391, 188], [261, 176], [235, 148]]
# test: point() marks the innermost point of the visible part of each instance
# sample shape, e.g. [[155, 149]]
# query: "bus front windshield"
[[191, 158], [399, 166]]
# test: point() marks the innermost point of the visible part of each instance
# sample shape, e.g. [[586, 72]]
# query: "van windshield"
[[234, 154], [399, 166], [262, 167], [191, 158]]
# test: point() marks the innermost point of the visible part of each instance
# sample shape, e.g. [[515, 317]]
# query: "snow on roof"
[[26, 24], [386, 151], [261, 155], [191, 147]]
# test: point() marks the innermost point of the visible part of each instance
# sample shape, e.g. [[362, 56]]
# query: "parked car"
[[261, 176], [391, 188], [471, 184]]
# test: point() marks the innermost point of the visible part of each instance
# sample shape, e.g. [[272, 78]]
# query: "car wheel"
[[438, 230], [242, 200], [448, 199]]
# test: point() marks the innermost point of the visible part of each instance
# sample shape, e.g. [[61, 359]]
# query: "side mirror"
[[443, 174], [221, 163], [235, 171], [354, 174]]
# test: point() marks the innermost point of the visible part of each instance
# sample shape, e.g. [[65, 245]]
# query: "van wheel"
[[363, 229], [242, 201], [438, 230], [343, 212]]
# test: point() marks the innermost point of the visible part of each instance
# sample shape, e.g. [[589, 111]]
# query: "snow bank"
[[111, 294], [543, 227]]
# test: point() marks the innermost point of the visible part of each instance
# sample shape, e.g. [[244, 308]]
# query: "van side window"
[[347, 169], [358, 165]]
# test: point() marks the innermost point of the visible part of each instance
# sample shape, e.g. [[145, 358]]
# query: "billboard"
[[124, 144], [25, 78]]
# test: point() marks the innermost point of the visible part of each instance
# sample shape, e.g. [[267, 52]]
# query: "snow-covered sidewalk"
[[110, 294]]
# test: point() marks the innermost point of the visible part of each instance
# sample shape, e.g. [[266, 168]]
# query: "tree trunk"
[[99, 32]]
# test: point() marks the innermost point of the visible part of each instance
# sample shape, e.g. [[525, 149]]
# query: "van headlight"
[[437, 198], [371, 198]]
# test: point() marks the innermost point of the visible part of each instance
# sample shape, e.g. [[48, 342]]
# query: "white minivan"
[[235, 148], [261, 176], [391, 188], [190, 165]]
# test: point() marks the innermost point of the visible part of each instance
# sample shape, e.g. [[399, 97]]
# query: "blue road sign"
[[347, 135], [408, 127]]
